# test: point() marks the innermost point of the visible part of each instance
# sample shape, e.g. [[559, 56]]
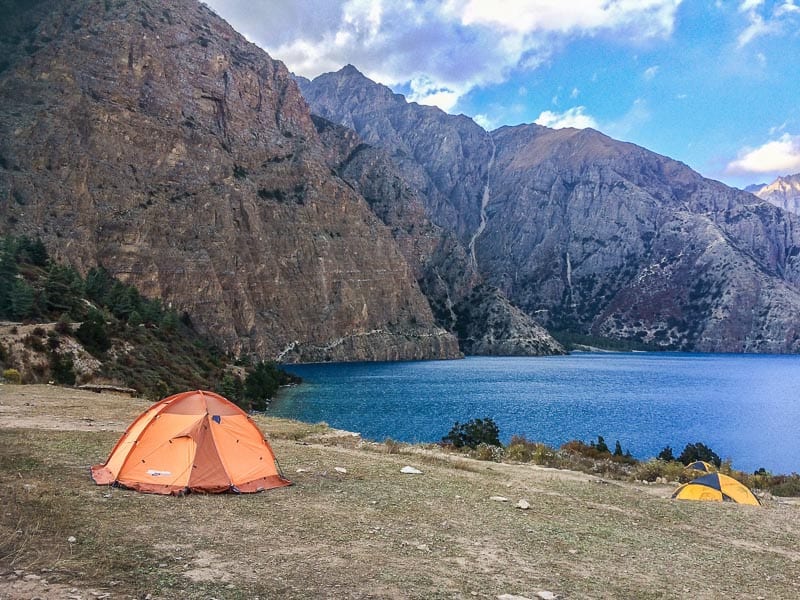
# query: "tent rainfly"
[[701, 465], [192, 442], [716, 487]]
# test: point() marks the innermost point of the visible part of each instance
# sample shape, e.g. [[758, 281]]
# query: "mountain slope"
[[482, 317], [784, 192], [154, 140], [589, 234]]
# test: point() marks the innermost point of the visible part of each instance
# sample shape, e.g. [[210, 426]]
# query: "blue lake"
[[745, 407]]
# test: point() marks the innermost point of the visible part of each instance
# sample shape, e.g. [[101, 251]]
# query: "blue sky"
[[712, 83]]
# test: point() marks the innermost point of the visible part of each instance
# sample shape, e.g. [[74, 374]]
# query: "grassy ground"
[[371, 532]]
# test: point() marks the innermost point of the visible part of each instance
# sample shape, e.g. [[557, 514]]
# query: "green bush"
[[93, 334], [473, 433], [62, 369], [263, 382], [786, 485], [232, 388], [12, 376], [699, 451], [666, 454]]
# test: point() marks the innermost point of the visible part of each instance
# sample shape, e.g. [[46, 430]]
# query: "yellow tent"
[[195, 441], [716, 487], [701, 465]]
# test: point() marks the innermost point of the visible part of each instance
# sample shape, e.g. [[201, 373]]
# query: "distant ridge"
[[784, 192], [592, 236]]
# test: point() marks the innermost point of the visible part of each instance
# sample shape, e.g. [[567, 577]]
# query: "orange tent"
[[193, 441]]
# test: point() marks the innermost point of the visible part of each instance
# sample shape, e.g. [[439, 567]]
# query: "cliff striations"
[[590, 235], [151, 138], [482, 317]]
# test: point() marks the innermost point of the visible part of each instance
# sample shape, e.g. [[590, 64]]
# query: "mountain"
[[784, 192], [485, 322], [590, 235], [152, 139]]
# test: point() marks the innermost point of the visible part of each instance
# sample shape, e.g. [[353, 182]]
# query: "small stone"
[[512, 597], [424, 547], [31, 577], [340, 470], [409, 470], [545, 595], [523, 505], [302, 470], [498, 498], [72, 539], [572, 551]]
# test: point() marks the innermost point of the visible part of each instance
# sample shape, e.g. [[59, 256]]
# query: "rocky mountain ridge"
[[152, 139], [590, 235], [485, 322], [784, 192]]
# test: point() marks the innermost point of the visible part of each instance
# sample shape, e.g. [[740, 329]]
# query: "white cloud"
[[756, 28], [762, 22], [650, 73], [648, 17], [628, 125], [776, 156], [787, 8], [484, 121], [425, 90], [750, 5], [440, 49], [574, 117]]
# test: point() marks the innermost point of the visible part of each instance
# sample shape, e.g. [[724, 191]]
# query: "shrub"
[[232, 388], [492, 452], [392, 446], [520, 449], [63, 325], [601, 446], [473, 433], [62, 369], [699, 451], [653, 469], [12, 376], [666, 454], [34, 342], [93, 334], [786, 485], [262, 383]]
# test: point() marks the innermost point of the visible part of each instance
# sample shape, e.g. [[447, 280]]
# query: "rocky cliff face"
[[151, 138], [629, 244], [442, 157], [483, 318], [784, 192], [591, 235]]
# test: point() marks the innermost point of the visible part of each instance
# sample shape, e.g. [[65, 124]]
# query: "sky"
[[714, 84]]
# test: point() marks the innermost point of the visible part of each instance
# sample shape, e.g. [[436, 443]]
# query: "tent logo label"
[[154, 473]]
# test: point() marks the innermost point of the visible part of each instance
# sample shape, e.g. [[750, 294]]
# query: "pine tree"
[[8, 273], [618, 449], [21, 300]]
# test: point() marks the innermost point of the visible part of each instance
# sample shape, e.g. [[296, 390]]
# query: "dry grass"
[[367, 533]]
